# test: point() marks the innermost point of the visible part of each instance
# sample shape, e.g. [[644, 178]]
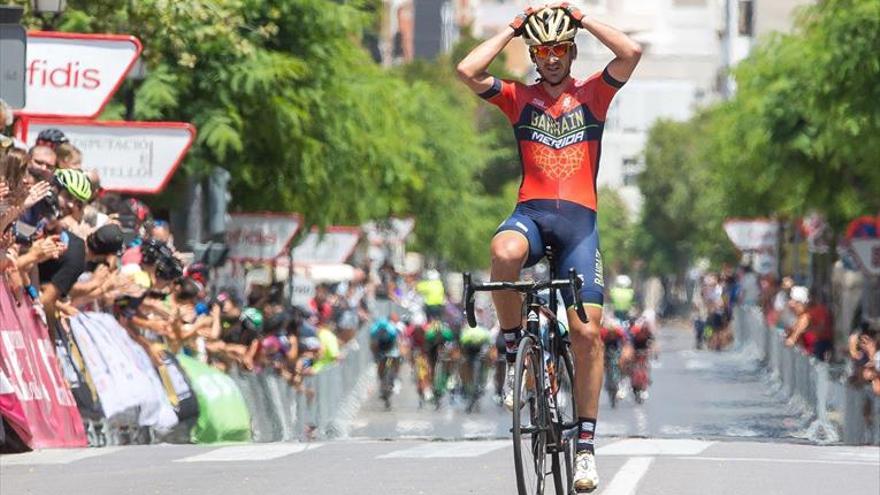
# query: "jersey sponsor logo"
[[522, 226], [539, 103], [566, 124], [557, 143], [599, 275]]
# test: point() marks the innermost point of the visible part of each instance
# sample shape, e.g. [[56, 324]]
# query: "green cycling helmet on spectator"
[[76, 182], [252, 318]]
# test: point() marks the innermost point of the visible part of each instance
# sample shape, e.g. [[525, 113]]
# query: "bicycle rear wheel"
[[563, 475], [530, 423]]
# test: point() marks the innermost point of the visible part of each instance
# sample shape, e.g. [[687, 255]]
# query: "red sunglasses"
[[558, 50]]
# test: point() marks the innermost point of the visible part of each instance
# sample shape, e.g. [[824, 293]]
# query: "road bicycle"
[[474, 380], [387, 377], [544, 415]]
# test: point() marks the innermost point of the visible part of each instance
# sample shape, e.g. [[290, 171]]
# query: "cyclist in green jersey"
[[622, 297], [474, 344]]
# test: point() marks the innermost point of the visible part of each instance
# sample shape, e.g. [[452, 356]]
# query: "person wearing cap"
[[799, 297], [51, 138]]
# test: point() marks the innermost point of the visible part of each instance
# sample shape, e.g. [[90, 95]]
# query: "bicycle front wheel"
[[563, 475], [530, 425]]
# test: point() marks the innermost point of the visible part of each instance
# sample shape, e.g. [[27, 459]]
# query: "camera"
[[159, 254]]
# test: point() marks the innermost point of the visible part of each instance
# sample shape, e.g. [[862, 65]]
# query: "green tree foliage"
[[286, 99], [802, 133], [617, 229], [681, 216]]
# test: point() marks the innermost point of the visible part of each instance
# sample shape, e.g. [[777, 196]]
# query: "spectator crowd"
[[68, 246]]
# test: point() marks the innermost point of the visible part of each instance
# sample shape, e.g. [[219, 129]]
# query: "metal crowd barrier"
[[838, 412], [327, 400]]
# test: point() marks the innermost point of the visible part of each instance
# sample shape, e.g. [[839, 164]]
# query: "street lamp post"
[[48, 9]]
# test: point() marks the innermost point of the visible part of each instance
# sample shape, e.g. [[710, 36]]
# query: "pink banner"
[[27, 357]]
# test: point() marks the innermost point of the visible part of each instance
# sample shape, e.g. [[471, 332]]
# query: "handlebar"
[[573, 282]]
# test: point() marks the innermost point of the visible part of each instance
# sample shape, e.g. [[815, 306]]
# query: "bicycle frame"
[[553, 348]]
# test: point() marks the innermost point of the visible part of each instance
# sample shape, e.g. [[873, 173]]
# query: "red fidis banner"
[[27, 358], [75, 75]]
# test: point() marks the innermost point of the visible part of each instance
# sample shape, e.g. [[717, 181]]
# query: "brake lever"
[[469, 301], [575, 284]]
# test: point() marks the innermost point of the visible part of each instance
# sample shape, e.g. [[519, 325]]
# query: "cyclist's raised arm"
[[472, 70], [627, 52]]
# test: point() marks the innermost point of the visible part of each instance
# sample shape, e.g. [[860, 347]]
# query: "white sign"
[[75, 75], [752, 235], [333, 246], [260, 236], [135, 157], [867, 252]]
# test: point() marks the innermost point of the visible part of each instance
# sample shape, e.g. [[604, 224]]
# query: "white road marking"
[[611, 429], [628, 476], [262, 452], [641, 422], [676, 430], [781, 461], [650, 447], [447, 449], [54, 456], [697, 364], [413, 426], [478, 428], [869, 454], [737, 431]]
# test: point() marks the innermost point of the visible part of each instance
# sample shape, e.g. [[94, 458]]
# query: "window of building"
[[632, 168], [746, 17]]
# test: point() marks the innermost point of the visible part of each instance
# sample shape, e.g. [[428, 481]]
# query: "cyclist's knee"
[[587, 335], [509, 250]]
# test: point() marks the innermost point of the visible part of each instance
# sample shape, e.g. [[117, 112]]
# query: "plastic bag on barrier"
[[223, 415], [178, 387], [73, 368]]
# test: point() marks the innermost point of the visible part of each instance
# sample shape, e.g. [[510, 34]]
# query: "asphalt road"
[[712, 425]]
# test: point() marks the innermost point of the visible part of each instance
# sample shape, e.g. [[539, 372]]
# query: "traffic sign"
[[334, 246], [752, 234], [134, 157], [75, 75], [867, 253], [260, 236]]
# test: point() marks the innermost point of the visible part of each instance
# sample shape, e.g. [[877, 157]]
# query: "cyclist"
[[642, 338], [614, 337], [558, 124], [386, 351], [474, 344], [439, 342], [622, 297]]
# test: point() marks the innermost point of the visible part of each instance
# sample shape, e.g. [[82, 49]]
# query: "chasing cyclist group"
[[447, 359]]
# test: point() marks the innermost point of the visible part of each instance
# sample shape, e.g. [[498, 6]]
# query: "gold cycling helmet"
[[548, 26]]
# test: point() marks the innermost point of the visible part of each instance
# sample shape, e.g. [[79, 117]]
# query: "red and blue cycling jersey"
[[559, 138]]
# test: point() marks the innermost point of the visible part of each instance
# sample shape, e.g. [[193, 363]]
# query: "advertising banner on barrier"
[[134, 157], [13, 415], [122, 377], [28, 359], [223, 415], [75, 75], [260, 236], [334, 246]]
